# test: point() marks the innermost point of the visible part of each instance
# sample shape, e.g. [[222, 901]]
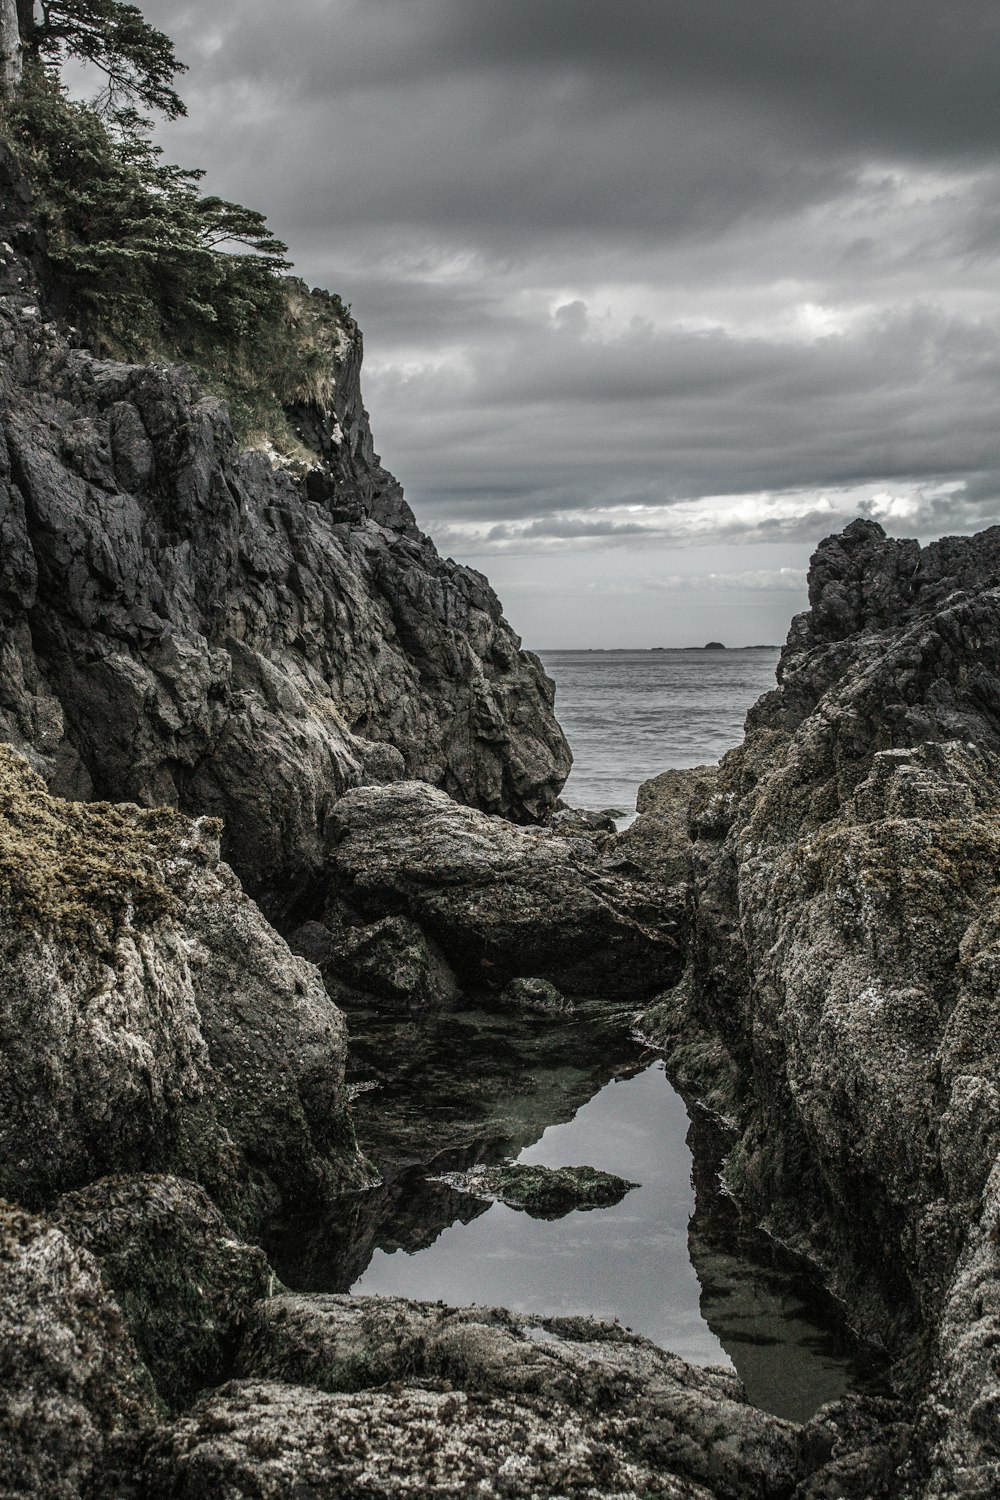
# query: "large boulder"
[[260, 1440], [505, 902], [150, 1019]]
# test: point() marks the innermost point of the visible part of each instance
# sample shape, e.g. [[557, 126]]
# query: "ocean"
[[630, 714]]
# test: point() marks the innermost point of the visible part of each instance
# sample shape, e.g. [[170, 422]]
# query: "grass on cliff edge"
[[73, 867], [153, 270]]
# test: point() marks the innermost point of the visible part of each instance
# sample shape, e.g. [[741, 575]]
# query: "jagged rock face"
[[505, 902], [72, 1389], [151, 1019], [185, 1284], [846, 933], [181, 624]]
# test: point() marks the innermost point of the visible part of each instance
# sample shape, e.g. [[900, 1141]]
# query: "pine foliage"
[[138, 62], [149, 265]]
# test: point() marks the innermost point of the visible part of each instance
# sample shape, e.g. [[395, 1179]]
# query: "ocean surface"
[[630, 714]]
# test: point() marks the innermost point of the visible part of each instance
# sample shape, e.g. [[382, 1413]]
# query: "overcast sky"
[[655, 293]]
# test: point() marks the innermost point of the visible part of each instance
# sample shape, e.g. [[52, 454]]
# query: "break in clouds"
[[662, 277]]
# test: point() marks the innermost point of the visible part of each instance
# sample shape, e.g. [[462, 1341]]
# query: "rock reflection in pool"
[[633, 1262], [629, 1262]]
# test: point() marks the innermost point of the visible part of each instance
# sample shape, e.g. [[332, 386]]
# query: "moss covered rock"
[[74, 1397], [184, 1282], [543, 1192], [150, 1019]]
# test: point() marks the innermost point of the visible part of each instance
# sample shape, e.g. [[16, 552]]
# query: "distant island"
[[632, 650]]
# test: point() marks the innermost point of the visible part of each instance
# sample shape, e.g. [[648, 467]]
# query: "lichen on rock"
[[151, 1020], [542, 1192], [74, 1397]]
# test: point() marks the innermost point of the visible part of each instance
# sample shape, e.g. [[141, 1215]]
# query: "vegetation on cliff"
[[146, 264]]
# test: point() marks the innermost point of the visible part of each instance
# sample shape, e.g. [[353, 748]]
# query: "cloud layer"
[[664, 274]]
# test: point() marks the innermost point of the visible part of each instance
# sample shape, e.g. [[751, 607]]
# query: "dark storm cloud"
[[637, 255]]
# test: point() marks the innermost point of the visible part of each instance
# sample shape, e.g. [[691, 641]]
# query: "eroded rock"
[[182, 624], [503, 902], [150, 1019], [641, 1405], [264, 1441]]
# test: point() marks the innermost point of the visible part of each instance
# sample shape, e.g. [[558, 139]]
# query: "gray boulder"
[[503, 902], [150, 1020], [259, 1440], [642, 1406]]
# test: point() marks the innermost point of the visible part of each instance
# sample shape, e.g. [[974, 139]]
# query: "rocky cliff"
[[843, 969], [183, 624], [187, 629]]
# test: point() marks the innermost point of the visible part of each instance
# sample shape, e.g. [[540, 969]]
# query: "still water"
[[666, 1261], [629, 1262]]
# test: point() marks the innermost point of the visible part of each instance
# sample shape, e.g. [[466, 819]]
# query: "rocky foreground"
[[267, 758]]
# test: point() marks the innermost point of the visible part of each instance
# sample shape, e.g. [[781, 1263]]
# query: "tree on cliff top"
[[147, 265], [138, 62]]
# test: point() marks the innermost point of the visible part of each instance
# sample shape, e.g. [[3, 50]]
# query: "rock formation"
[[504, 902], [843, 968], [183, 624], [196, 644], [151, 1020]]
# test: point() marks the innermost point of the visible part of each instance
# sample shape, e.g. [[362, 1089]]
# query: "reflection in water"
[[629, 1262], [633, 1262]]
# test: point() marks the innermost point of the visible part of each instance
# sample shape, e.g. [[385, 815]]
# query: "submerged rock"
[[150, 1019], [503, 902], [543, 1192], [535, 995]]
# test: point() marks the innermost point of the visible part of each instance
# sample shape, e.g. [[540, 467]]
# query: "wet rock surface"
[[543, 1192], [843, 976]]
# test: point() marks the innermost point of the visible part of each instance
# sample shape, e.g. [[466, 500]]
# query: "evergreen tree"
[[151, 267], [138, 62]]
